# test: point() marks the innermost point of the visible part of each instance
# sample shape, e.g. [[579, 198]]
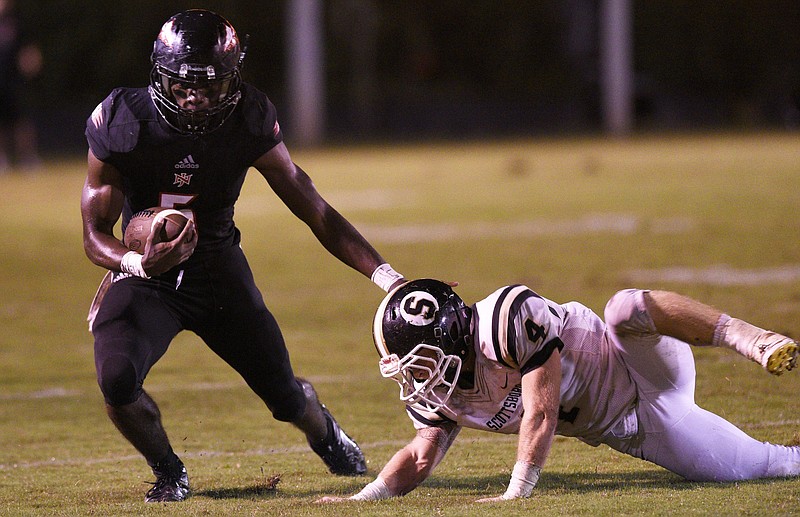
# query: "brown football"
[[141, 224]]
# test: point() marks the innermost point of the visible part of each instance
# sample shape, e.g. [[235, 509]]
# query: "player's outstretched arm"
[[294, 187], [409, 466]]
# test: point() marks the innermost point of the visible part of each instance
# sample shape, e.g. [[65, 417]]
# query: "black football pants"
[[213, 295]]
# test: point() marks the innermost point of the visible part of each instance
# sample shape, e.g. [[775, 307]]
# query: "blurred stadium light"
[[616, 66], [306, 70]]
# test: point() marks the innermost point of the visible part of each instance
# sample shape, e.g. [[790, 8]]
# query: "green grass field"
[[713, 217]]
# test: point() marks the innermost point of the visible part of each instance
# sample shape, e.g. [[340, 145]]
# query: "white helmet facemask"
[[423, 376]]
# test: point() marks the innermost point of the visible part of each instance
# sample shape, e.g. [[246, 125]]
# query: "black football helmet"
[[196, 49], [422, 333]]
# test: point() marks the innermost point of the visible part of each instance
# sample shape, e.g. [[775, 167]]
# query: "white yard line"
[[267, 451], [302, 449], [718, 275], [619, 224], [56, 392]]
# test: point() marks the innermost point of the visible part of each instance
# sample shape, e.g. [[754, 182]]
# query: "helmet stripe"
[[503, 333], [377, 326]]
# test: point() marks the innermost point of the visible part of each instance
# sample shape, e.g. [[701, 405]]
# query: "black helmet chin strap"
[[456, 317]]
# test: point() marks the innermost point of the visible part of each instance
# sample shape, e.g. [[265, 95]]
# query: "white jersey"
[[516, 331], [622, 384]]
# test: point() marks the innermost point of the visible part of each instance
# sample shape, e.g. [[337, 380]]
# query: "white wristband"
[[373, 491], [523, 480], [132, 264], [384, 276]]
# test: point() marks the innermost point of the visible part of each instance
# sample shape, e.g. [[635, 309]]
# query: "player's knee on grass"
[[626, 314], [118, 382]]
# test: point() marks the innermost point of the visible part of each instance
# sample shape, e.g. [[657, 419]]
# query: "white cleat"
[[778, 353]]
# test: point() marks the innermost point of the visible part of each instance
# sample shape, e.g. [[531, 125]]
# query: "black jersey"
[[162, 167]]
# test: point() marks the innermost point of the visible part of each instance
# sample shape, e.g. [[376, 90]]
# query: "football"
[[141, 225]]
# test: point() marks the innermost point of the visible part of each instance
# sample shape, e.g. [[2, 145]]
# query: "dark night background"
[[414, 69]]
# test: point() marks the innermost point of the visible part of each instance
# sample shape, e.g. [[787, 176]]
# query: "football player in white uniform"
[[516, 362]]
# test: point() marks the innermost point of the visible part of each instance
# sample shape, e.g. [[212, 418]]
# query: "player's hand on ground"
[[162, 256], [331, 499], [491, 499]]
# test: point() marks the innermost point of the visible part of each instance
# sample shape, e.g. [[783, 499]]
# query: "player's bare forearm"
[[299, 194], [398, 477], [536, 435], [333, 231], [540, 397], [412, 464], [344, 242], [406, 470]]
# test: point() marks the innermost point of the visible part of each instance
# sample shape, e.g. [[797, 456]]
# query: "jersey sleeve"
[[114, 126], [261, 119], [525, 328], [271, 125], [422, 419], [97, 133]]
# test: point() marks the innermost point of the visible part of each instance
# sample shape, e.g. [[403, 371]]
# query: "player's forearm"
[[535, 439], [344, 242], [537, 432], [540, 396], [402, 474], [541, 399], [405, 471], [104, 250]]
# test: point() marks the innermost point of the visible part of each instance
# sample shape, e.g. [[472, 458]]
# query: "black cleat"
[[339, 452], [172, 484]]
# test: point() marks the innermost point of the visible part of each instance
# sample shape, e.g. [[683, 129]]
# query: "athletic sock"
[[740, 336]]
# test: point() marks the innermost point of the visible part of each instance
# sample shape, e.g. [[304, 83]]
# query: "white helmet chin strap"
[[421, 376]]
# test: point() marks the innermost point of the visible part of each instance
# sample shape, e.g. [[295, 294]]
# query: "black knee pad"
[[118, 381]]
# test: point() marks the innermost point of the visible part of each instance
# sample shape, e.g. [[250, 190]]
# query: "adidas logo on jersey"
[[187, 163]]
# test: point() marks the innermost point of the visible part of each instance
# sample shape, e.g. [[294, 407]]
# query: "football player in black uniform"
[[186, 142]]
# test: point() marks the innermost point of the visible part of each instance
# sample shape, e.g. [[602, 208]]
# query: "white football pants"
[[674, 432]]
